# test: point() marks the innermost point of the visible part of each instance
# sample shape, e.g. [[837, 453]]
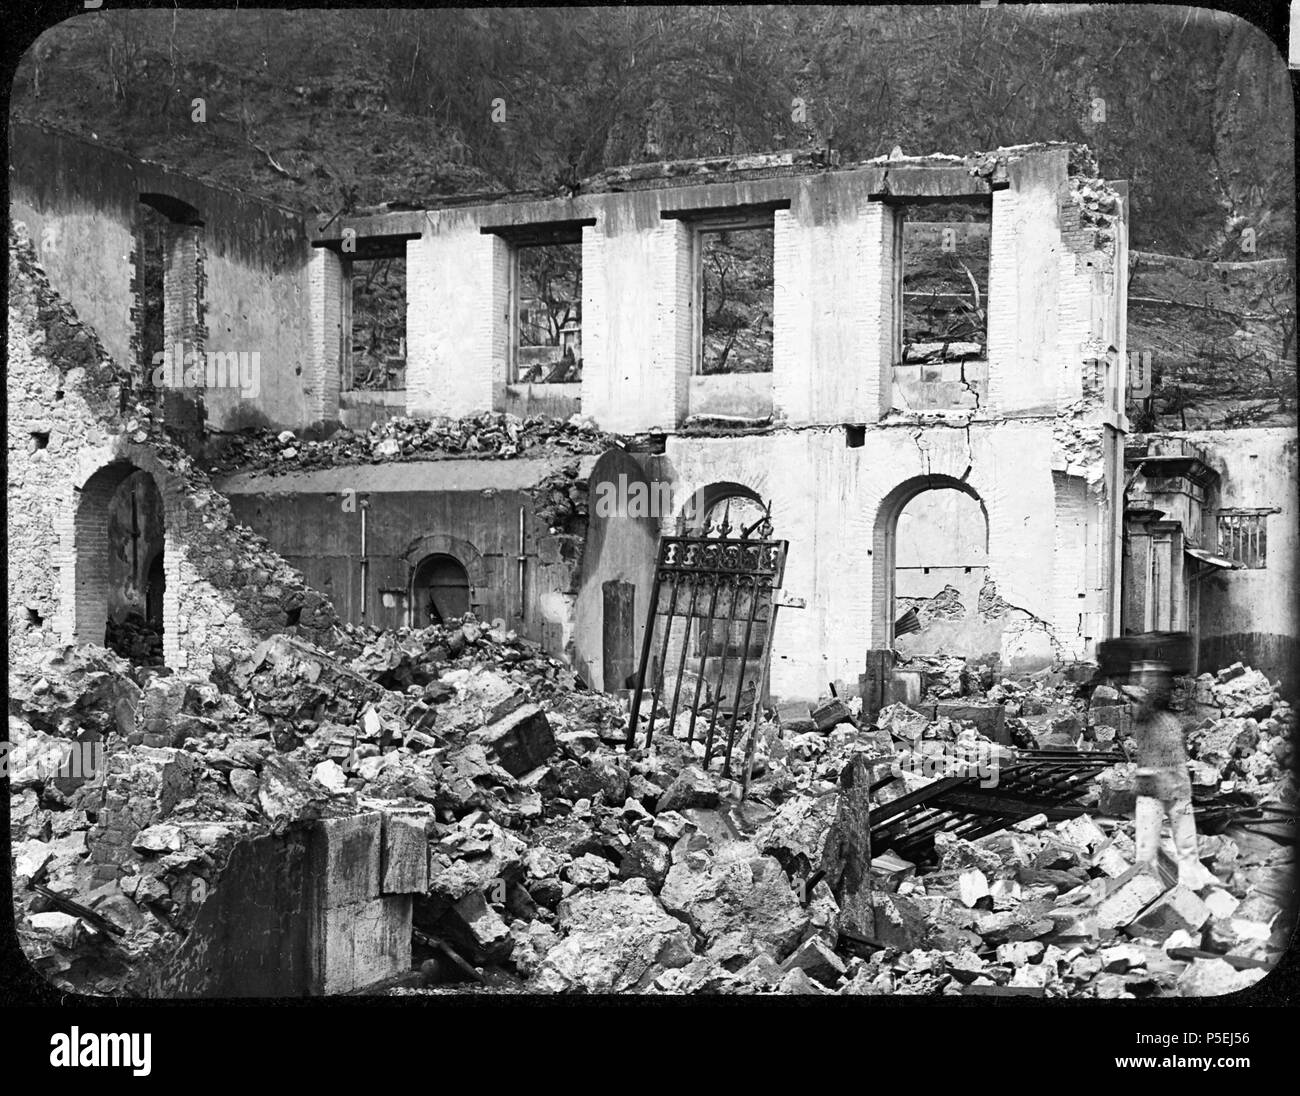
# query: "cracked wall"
[[224, 590]]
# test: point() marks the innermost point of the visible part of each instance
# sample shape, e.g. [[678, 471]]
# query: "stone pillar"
[[324, 365], [666, 401], [882, 305]]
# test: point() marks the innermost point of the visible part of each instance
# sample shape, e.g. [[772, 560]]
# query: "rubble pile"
[[487, 436], [1245, 739], [562, 861]]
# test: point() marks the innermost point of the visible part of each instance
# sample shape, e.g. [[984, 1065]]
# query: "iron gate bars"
[[710, 583]]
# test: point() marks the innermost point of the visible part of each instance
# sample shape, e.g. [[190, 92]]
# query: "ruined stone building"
[[979, 495]]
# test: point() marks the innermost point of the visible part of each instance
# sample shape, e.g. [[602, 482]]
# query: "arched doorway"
[[725, 641], [439, 590], [119, 538], [930, 553]]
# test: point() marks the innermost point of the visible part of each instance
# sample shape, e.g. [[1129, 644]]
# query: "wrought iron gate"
[[713, 588]]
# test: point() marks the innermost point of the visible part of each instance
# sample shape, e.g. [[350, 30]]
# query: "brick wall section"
[[421, 335], [458, 288], [882, 245], [669, 396], [325, 282], [224, 589], [597, 367], [833, 324], [497, 321], [791, 320]]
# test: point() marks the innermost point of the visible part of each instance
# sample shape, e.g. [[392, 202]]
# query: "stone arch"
[[85, 549], [440, 590], [461, 551], [883, 541], [696, 508]]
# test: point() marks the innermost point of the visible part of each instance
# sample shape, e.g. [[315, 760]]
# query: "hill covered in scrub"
[[357, 111]]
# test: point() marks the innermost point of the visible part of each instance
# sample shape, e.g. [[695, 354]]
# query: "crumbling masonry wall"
[[69, 447], [238, 282]]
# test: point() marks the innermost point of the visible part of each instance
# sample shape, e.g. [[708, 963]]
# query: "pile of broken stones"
[[486, 436], [563, 862]]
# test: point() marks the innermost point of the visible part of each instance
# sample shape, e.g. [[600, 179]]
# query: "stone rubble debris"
[[559, 860]]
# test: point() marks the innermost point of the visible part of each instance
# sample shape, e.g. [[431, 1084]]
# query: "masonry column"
[[184, 326], [666, 400], [324, 364], [792, 316], [599, 393], [882, 304]]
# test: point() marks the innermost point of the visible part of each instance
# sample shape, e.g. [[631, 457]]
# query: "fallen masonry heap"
[[554, 859], [487, 436]]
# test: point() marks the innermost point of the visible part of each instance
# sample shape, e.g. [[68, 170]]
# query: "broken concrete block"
[[798, 982], [160, 838], [1215, 977], [647, 859], [1178, 908], [989, 719], [1110, 860], [692, 788], [902, 722], [1082, 831], [1121, 958], [405, 867], [521, 741], [477, 930], [738, 892], [890, 869], [831, 713], [972, 885], [330, 776], [1131, 893], [344, 856], [587, 871], [1221, 903], [669, 826], [899, 923], [1019, 952], [817, 960], [617, 940]]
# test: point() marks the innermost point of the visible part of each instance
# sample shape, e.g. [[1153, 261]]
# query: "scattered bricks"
[[1179, 908], [1128, 895], [521, 741], [830, 714], [816, 960], [899, 923], [405, 867], [795, 717], [989, 719]]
